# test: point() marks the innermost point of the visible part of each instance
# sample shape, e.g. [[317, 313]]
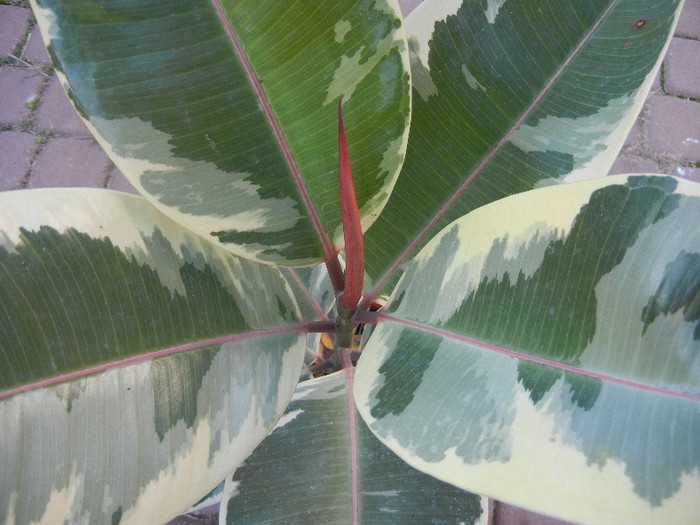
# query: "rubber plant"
[[527, 329]]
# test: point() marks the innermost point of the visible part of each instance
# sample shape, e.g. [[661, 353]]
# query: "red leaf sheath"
[[352, 229]]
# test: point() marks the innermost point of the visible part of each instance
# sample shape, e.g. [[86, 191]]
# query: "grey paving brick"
[[16, 149], [68, 162], [685, 172], [657, 82], [19, 87], [633, 164], [683, 68], [634, 137], [689, 22], [57, 114], [13, 24], [408, 5], [674, 126], [35, 50]]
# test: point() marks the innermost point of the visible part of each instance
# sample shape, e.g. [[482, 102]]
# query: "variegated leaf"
[[302, 472], [313, 287], [139, 363], [510, 95], [224, 114], [545, 350]]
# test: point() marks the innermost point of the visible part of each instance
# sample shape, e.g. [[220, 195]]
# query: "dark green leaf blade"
[[301, 472], [223, 113], [511, 96]]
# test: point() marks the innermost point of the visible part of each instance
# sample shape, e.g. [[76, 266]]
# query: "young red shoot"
[[352, 229]]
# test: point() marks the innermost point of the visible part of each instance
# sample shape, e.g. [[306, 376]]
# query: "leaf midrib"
[[299, 328], [374, 292], [550, 363], [326, 244]]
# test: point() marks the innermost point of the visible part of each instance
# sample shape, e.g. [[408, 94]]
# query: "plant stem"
[[349, 370], [345, 328]]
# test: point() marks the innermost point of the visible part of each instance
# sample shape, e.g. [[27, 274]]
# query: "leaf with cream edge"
[[223, 113], [509, 96], [108, 413], [314, 437], [543, 350]]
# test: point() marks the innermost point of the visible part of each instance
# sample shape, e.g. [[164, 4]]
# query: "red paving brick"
[[683, 68], [13, 24], [57, 114], [634, 164], [16, 149], [689, 22], [35, 50], [674, 126], [20, 89], [687, 173], [71, 162]]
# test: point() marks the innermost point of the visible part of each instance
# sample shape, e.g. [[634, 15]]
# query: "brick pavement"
[[43, 143], [666, 136]]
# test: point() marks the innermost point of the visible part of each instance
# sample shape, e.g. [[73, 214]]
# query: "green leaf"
[[224, 113], [302, 472], [543, 350], [313, 289], [509, 96], [139, 363]]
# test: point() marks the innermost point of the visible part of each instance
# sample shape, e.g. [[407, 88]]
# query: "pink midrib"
[[329, 251], [149, 356], [349, 370], [606, 378], [374, 292]]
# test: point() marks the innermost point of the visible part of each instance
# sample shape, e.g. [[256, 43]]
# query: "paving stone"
[[15, 151], [633, 164], [57, 114], [408, 5], [634, 137], [656, 85], [683, 68], [118, 182], [19, 87], [69, 162], [689, 22], [35, 50], [510, 514], [13, 23], [687, 173], [674, 126]]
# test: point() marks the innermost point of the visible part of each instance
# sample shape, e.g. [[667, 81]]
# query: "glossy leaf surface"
[[223, 113], [302, 472], [543, 350], [139, 363], [513, 95]]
